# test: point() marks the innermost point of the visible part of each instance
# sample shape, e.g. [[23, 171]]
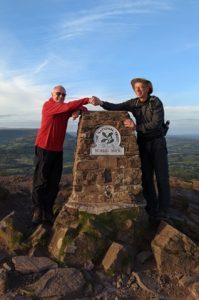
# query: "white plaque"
[[106, 141]]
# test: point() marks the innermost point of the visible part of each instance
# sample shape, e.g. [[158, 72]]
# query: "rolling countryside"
[[17, 153]]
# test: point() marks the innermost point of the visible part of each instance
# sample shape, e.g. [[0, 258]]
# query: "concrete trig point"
[[106, 171]]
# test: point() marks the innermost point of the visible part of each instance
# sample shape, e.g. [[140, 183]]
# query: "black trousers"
[[47, 175], [154, 161]]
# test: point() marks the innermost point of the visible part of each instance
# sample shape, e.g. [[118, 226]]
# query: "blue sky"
[[95, 47]]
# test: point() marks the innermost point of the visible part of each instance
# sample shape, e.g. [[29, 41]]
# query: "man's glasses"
[[60, 94]]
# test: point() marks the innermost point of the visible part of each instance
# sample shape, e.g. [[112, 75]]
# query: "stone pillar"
[[106, 171]]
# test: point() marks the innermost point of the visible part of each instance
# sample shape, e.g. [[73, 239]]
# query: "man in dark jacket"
[[49, 152], [149, 115]]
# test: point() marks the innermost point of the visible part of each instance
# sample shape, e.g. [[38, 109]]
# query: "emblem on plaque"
[[106, 141]]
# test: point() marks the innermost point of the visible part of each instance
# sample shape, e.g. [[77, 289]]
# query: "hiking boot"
[[37, 216]]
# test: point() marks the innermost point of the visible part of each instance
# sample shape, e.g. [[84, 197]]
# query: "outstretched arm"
[[124, 106], [55, 108]]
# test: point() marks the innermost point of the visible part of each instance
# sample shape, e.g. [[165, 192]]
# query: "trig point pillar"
[[106, 171]]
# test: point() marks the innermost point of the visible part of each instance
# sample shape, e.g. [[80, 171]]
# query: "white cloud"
[[93, 19], [41, 66], [20, 100]]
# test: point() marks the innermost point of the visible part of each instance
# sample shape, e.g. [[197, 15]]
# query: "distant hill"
[[10, 134], [7, 134], [17, 153]]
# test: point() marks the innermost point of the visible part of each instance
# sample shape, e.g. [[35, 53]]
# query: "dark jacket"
[[149, 115]]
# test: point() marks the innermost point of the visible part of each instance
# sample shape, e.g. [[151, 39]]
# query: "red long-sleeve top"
[[54, 121]]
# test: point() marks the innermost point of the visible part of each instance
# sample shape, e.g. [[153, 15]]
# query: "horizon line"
[[36, 128]]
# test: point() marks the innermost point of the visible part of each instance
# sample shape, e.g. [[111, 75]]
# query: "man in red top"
[[49, 152]]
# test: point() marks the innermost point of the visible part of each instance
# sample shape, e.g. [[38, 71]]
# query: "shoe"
[[37, 216]]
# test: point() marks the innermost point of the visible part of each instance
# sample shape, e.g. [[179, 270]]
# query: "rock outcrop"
[[185, 206], [79, 237], [175, 251]]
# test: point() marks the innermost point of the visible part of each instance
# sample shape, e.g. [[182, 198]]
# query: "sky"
[[95, 47]]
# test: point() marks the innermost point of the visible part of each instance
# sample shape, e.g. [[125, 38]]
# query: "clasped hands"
[[95, 101], [92, 100]]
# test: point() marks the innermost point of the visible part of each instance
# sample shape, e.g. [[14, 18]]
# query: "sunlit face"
[[141, 90], [59, 94]]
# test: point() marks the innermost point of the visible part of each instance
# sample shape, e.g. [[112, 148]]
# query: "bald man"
[[49, 152]]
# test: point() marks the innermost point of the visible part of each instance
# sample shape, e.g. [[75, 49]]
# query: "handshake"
[[95, 101]]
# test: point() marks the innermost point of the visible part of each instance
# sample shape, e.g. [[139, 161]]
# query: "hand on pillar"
[[129, 123], [75, 114]]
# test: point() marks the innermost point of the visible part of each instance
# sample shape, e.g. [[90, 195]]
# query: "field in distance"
[[17, 153]]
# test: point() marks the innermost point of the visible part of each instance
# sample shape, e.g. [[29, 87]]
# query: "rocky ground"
[[165, 265]]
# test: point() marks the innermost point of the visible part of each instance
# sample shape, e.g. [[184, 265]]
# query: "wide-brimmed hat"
[[144, 81]]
